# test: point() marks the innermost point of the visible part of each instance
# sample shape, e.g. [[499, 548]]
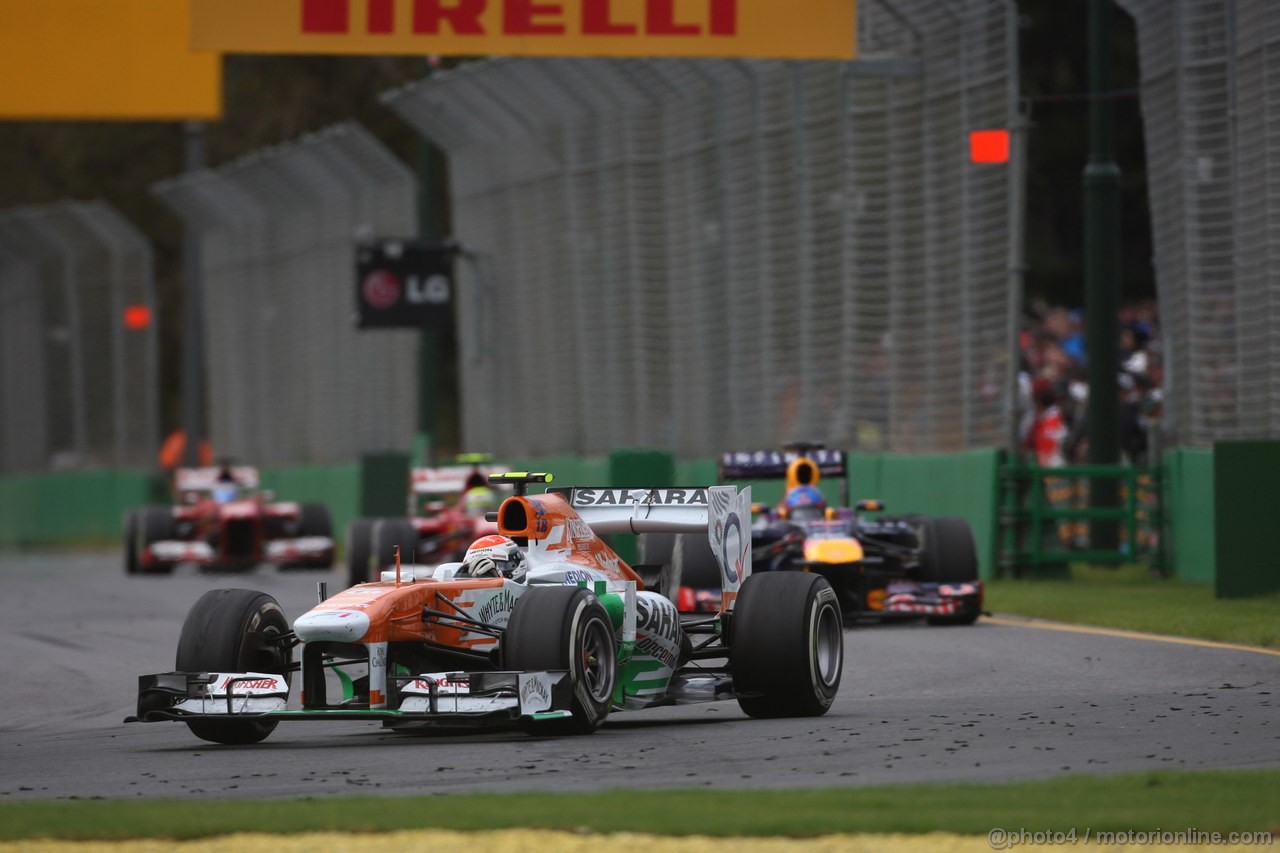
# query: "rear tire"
[[565, 627], [947, 551], [359, 550], [694, 562], [387, 534], [948, 555], [230, 630], [313, 520], [786, 645]]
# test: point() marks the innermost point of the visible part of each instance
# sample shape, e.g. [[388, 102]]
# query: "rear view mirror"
[[869, 506]]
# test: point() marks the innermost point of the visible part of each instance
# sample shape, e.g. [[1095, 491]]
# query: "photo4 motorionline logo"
[[1005, 839]]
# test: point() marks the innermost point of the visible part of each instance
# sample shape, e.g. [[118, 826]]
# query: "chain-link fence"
[[702, 255], [290, 379], [78, 385], [1210, 107]]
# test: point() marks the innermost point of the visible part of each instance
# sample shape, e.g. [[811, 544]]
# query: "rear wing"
[[204, 479], [772, 464], [451, 479], [723, 512]]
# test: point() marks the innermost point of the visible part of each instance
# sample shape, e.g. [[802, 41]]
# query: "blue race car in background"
[[881, 567]]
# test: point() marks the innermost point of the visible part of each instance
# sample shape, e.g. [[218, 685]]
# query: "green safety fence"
[[1045, 513]]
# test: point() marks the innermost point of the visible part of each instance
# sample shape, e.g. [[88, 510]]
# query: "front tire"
[[786, 645], [234, 630], [155, 524], [565, 627], [948, 555]]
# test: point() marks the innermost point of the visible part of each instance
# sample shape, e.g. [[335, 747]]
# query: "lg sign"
[[529, 17], [403, 283]]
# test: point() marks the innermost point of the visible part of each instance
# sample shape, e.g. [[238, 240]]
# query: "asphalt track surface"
[[993, 702]]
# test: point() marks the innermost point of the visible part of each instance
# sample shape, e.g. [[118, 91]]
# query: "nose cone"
[[336, 626], [832, 551]]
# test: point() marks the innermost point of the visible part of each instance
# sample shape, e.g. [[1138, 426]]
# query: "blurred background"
[[674, 258]]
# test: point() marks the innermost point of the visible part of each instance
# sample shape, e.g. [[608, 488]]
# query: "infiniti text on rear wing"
[[772, 464]]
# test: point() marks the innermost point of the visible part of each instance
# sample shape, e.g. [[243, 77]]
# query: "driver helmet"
[[495, 556], [805, 496], [224, 492], [479, 500]]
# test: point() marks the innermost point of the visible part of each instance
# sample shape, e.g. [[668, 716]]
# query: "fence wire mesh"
[[290, 379], [77, 387], [1212, 128], [703, 255]]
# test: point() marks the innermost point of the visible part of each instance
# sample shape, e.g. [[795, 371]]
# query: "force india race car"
[[223, 522], [884, 568], [553, 652], [447, 507]]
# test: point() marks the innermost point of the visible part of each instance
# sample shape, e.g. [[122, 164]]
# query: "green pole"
[[1102, 271]]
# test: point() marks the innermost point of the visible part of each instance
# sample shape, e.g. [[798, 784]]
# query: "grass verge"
[[1212, 801], [1129, 598]]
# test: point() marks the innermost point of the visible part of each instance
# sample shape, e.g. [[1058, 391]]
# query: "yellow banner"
[[104, 59], [794, 29]]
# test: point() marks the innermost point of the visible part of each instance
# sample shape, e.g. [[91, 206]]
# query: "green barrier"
[[964, 484], [69, 507], [383, 485], [568, 470], [637, 467], [1245, 474], [1187, 480], [336, 486]]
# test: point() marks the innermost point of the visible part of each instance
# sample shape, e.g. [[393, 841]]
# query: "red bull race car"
[[446, 513], [542, 626], [881, 567], [224, 522]]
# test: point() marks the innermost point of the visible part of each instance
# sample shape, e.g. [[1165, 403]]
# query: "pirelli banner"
[[783, 29]]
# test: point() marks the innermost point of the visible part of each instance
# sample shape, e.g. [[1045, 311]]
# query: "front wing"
[[932, 599], [455, 699]]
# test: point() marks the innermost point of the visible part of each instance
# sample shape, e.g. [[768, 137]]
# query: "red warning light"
[[989, 146], [137, 317]]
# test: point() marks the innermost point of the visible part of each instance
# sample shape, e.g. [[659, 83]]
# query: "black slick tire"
[[155, 524], [565, 627], [131, 557], [359, 550], [948, 554], [786, 646], [232, 630], [387, 534]]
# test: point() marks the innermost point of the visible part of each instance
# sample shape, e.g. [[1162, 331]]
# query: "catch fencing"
[[1211, 108], [78, 385], [701, 255], [290, 379]]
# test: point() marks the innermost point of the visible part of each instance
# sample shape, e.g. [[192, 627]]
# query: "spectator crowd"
[[1053, 391]]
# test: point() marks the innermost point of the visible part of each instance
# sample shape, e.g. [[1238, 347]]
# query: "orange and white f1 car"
[[554, 647]]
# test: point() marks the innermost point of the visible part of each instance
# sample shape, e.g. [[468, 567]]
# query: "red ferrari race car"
[[887, 567], [446, 513], [542, 627], [223, 522]]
